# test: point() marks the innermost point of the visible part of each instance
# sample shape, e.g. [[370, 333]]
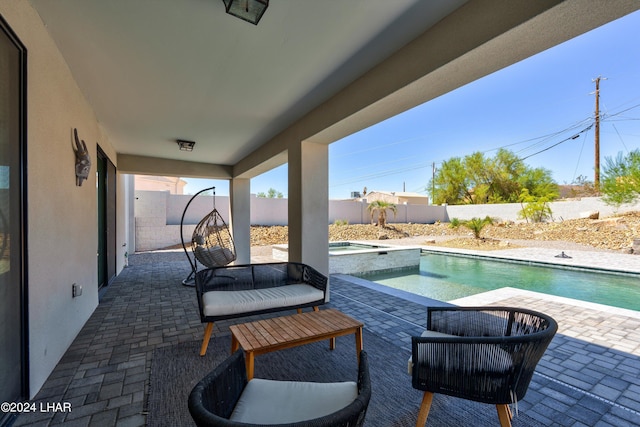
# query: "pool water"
[[447, 277], [350, 247]]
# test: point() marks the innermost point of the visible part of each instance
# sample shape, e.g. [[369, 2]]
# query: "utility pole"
[[596, 178]]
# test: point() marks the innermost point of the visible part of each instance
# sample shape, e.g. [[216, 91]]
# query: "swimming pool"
[[448, 277]]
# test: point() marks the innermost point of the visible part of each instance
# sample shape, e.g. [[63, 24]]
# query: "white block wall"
[[158, 213]]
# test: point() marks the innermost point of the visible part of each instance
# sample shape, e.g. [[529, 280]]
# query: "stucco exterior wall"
[[62, 233]]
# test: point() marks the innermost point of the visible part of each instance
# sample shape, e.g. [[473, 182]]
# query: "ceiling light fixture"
[[247, 10], [186, 145]]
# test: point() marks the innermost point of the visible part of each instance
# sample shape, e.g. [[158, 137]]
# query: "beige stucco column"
[[240, 205], [309, 205]]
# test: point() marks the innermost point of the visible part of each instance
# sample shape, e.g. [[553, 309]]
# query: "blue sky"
[[532, 108]]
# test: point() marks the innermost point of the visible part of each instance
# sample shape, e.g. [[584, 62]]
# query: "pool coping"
[[406, 295], [496, 295], [600, 262], [486, 298]]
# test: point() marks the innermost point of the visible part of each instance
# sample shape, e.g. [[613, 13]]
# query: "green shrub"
[[477, 224], [534, 209]]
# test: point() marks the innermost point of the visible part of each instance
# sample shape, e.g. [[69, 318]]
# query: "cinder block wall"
[[158, 214], [561, 210]]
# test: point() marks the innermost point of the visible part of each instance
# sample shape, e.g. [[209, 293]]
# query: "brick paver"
[[589, 376]]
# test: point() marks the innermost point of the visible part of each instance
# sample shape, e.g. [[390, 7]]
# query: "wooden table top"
[[296, 328]]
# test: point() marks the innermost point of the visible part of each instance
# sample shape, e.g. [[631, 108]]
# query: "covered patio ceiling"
[[160, 70]]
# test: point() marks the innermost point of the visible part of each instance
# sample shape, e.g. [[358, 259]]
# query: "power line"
[[547, 137], [543, 137], [572, 129], [576, 136], [626, 119], [579, 157], [379, 175], [377, 147], [623, 111], [620, 136], [539, 141], [370, 166]]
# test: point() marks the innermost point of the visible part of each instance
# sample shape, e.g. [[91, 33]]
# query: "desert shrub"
[[621, 179], [477, 224], [534, 209]]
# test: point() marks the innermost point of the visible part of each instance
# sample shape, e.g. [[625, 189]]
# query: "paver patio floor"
[[589, 376]]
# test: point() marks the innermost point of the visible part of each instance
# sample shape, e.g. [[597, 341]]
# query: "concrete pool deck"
[[600, 260]]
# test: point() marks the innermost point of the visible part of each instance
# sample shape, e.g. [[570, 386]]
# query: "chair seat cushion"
[[215, 256], [280, 402], [222, 303]]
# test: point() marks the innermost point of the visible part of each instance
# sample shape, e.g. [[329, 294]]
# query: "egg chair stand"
[[211, 241]]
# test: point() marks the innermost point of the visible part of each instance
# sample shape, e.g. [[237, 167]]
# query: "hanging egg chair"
[[211, 242]]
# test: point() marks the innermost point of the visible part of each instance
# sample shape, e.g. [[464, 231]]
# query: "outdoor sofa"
[[242, 290]]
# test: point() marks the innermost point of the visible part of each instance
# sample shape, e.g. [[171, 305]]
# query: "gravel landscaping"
[[615, 233]]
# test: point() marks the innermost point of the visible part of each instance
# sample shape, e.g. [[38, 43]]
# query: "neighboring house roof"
[[174, 185], [396, 197], [572, 191], [399, 194]]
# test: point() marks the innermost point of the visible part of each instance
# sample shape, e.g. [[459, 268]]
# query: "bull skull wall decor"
[[83, 160]]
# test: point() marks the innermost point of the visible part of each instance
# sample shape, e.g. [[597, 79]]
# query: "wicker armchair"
[[484, 354], [225, 398]]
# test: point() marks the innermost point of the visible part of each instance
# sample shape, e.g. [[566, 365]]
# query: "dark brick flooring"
[[104, 375]]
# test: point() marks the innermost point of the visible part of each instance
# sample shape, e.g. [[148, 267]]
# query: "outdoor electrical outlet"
[[76, 290]]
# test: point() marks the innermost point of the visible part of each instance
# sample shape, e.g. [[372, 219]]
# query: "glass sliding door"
[[13, 357], [106, 188]]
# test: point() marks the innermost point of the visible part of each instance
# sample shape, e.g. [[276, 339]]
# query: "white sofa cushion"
[[280, 402], [221, 303]]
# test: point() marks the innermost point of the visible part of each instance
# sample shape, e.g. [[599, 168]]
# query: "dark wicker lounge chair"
[[213, 400], [484, 354]]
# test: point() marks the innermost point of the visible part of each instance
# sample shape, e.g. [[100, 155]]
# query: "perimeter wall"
[[158, 213]]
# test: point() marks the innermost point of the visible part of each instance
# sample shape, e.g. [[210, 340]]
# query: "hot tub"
[[353, 257]]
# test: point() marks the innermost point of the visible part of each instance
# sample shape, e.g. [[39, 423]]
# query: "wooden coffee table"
[[278, 333]]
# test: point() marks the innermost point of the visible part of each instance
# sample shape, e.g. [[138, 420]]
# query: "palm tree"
[[477, 224], [381, 207]]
